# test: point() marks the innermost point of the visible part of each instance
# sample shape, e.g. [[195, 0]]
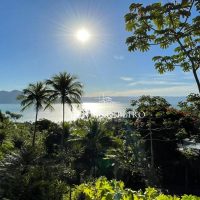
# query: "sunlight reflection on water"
[[96, 109]]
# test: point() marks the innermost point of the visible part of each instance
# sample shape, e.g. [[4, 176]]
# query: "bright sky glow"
[[83, 35]]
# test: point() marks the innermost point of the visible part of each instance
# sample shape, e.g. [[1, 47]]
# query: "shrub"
[[103, 189]]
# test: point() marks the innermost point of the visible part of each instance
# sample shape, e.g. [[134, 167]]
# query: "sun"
[[83, 35]]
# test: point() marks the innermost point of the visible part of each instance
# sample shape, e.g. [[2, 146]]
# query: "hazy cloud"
[[156, 82], [188, 76], [126, 78], [180, 90]]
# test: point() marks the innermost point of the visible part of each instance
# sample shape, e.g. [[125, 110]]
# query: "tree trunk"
[[34, 133], [151, 146], [63, 125], [186, 177], [94, 166], [196, 79], [193, 64], [152, 155], [70, 193]]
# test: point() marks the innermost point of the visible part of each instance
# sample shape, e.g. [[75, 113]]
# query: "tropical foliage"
[[170, 25], [66, 88], [112, 158], [36, 95], [107, 190], [140, 152]]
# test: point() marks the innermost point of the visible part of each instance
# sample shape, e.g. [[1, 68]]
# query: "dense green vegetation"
[[120, 158], [139, 152]]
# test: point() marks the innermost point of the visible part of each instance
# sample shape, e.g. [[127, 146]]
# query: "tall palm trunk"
[[63, 125], [34, 133]]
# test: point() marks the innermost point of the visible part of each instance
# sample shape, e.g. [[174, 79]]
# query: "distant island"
[[10, 97]]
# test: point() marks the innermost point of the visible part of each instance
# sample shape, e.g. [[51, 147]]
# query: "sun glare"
[[83, 35]]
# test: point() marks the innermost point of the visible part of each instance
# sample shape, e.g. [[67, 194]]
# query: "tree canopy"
[[171, 25]]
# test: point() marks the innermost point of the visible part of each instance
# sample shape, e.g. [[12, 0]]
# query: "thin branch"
[[187, 17]]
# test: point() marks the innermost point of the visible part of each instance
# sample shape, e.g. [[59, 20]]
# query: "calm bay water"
[[96, 109]]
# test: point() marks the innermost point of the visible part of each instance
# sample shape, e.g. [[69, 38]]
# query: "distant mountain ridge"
[[10, 97]]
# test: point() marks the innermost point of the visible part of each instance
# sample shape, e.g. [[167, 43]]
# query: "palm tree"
[[36, 95], [67, 89], [96, 139], [93, 139]]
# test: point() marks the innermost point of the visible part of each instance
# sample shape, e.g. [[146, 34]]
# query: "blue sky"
[[37, 40]]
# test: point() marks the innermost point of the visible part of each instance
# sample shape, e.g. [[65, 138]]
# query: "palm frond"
[[36, 95]]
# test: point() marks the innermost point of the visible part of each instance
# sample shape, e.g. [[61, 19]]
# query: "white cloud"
[[126, 78], [118, 57], [166, 76], [189, 78], [156, 82], [181, 90]]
